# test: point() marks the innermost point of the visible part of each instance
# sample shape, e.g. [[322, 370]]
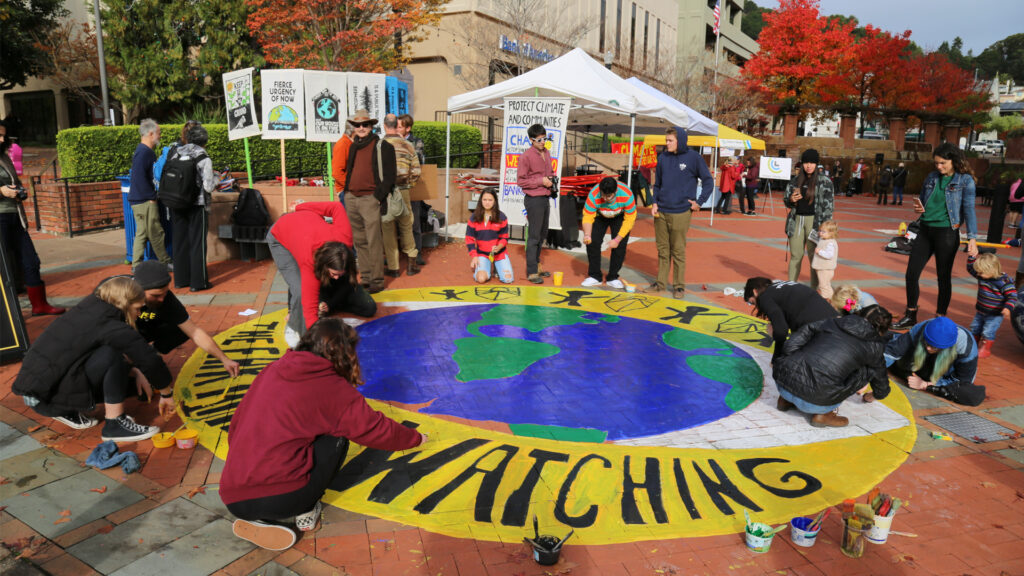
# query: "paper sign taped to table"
[[426, 187]]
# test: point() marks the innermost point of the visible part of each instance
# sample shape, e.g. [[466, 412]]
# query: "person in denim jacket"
[[938, 357], [945, 205]]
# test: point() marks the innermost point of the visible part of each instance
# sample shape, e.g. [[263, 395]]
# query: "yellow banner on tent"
[[727, 138]]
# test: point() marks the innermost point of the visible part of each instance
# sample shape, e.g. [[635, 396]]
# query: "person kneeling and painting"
[[290, 435], [939, 357], [828, 361]]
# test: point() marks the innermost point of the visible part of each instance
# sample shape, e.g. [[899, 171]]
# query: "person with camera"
[[537, 179], [13, 232], [810, 200]]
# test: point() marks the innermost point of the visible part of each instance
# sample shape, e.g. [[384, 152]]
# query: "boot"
[[831, 419], [984, 348], [413, 268], [40, 307], [784, 404], [908, 321]]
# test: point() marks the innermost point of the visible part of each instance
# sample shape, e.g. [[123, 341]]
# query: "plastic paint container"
[[759, 544], [631, 288], [879, 532], [186, 439], [544, 556], [557, 278], [163, 440], [800, 535]]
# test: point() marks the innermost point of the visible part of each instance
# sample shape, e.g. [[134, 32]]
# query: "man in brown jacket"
[[407, 173], [367, 186]]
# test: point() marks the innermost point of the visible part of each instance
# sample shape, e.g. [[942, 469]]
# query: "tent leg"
[[447, 168], [714, 176], [629, 167]]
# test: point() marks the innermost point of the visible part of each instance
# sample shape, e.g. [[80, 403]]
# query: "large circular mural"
[[625, 417]]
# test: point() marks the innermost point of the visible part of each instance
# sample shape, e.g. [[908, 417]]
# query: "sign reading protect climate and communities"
[[283, 105], [520, 114]]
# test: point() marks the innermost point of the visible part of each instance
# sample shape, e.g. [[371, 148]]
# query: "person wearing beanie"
[[677, 173], [164, 322], [811, 201], [939, 357]]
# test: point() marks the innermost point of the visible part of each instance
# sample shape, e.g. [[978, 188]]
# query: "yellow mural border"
[[487, 483]]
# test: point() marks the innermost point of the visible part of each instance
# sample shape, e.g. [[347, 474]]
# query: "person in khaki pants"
[[142, 195], [366, 190], [407, 173]]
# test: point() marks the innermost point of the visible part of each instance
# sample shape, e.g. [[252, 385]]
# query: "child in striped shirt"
[[996, 299], [487, 240]]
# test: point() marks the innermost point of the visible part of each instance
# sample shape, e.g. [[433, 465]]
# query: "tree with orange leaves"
[[358, 35], [948, 90]]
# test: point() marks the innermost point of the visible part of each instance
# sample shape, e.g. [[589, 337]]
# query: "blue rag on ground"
[[106, 456]]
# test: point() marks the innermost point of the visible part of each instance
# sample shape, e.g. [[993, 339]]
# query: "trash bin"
[[129, 225]]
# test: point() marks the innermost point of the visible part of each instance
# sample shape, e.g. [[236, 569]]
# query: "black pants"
[[328, 453], [341, 296], [725, 202], [943, 243], [15, 238], [538, 210], [883, 195], [747, 194], [107, 373], [189, 233], [602, 225], [417, 225]]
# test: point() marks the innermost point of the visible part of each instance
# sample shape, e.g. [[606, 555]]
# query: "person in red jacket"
[[318, 264], [487, 240], [290, 434], [731, 172]]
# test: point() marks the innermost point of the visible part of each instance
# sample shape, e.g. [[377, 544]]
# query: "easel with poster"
[[773, 169]]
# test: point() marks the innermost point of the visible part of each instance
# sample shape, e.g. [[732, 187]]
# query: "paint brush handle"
[[907, 534]]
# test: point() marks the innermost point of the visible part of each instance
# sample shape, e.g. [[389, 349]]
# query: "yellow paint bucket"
[[186, 439]]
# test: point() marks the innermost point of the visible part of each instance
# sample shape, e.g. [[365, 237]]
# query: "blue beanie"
[[940, 333]]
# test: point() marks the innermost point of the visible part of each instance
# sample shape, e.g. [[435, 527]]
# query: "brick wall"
[[93, 205]]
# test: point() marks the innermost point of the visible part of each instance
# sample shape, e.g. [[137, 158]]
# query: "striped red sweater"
[[994, 294], [481, 237]]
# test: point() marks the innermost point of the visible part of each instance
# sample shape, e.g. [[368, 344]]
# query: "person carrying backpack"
[[185, 186]]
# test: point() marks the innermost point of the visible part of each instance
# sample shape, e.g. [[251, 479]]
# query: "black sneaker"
[[77, 420], [125, 429]]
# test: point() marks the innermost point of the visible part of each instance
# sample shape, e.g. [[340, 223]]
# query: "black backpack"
[[250, 209], [179, 188]]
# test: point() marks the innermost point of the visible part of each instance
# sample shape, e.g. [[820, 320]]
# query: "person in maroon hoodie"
[[290, 434]]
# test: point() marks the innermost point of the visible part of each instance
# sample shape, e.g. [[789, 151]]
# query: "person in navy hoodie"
[[678, 171]]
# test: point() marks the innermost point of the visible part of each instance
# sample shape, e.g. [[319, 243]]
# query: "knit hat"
[[152, 274], [940, 333], [810, 155]]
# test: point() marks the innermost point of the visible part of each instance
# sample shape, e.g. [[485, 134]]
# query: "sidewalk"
[[964, 498]]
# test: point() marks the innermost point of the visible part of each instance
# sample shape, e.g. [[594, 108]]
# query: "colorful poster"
[[283, 107], [520, 114], [397, 101], [366, 92], [241, 107], [645, 156], [325, 105], [776, 168]]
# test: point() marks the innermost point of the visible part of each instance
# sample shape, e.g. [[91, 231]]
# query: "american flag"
[[718, 16]]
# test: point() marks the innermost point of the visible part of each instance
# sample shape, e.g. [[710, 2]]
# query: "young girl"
[[848, 298], [487, 240], [825, 256]]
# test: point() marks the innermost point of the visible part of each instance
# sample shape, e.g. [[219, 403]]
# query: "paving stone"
[[210, 500], [41, 507], [13, 442], [925, 441], [189, 299], [1012, 454], [923, 400], [272, 569], [34, 469], [141, 535], [1011, 414], [233, 299], [200, 553]]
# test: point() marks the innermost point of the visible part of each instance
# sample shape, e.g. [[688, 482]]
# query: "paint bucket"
[[163, 440], [542, 553], [631, 288], [759, 544], [186, 439], [800, 535], [557, 278], [879, 532], [852, 544]]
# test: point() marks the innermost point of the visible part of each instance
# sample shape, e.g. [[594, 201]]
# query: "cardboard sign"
[[325, 105], [520, 114], [240, 104], [426, 188], [283, 105]]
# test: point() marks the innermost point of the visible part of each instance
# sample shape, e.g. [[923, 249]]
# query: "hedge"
[[96, 152]]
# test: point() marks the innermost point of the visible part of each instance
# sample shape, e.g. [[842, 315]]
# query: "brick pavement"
[[965, 501]]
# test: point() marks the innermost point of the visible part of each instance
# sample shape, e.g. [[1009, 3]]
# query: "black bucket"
[[542, 550]]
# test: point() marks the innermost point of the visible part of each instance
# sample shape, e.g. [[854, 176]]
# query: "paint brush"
[[775, 531], [536, 530], [907, 534], [816, 525]]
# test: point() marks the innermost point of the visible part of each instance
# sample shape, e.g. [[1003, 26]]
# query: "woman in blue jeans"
[[945, 206]]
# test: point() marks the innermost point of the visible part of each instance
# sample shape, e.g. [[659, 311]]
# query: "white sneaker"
[[266, 536], [617, 284], [591, 282], [308, 521], [77, 420], [291, 337]]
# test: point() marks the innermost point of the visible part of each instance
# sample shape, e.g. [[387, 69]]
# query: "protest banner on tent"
[[366, 92], [520, 114]]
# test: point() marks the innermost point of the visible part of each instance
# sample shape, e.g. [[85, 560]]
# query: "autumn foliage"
[[809, 62], [356, 35]]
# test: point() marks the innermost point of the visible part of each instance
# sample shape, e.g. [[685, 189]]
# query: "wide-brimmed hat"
[[362, 116]]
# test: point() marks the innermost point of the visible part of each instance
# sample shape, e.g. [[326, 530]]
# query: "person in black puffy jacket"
[[830, 360], [79, 361]]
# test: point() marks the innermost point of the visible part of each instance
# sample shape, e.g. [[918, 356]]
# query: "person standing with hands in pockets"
[[536, 178]]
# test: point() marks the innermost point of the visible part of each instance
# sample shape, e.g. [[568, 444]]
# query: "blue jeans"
[[503, 268], [986, 325], [805, 406], [897, 194]]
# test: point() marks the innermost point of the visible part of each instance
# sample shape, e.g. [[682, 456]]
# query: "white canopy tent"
[[699, 123], [599, 97]]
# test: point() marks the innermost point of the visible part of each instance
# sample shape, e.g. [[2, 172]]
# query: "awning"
[[727, 138]]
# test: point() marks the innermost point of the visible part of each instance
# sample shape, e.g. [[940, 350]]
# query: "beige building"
[[695, 49]]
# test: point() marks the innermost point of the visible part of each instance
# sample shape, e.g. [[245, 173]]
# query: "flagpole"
[[714, 105]]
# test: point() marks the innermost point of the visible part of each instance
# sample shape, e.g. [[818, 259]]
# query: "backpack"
[[250, 209], [395, 201], [179, 189]]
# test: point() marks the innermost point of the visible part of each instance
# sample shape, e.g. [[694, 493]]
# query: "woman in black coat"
[[79, 361], [828, 361]]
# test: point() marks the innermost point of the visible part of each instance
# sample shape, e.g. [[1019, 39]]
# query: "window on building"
[[647, 19], [734, 10], [600, 42], [657, 42], [632, 35], [711, 4], [618, 29]]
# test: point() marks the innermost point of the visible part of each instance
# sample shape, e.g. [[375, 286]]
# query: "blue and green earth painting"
[[555, 372]]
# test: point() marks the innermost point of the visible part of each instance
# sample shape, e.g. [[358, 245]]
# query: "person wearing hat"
[[165, 322], [810, 199], [609, 206], [939, 357], [368, 182]]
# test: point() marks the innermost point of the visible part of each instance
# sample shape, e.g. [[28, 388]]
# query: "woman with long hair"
[[939, 357], [811, 200], [291, 432], [945, 206], [79, 361], [487, 239], [13, 234]]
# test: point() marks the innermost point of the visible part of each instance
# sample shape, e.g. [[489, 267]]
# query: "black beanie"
[[810, 155], [152, 274]]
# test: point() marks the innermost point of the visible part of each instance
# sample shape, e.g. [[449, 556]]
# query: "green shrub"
[[94, 153]]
